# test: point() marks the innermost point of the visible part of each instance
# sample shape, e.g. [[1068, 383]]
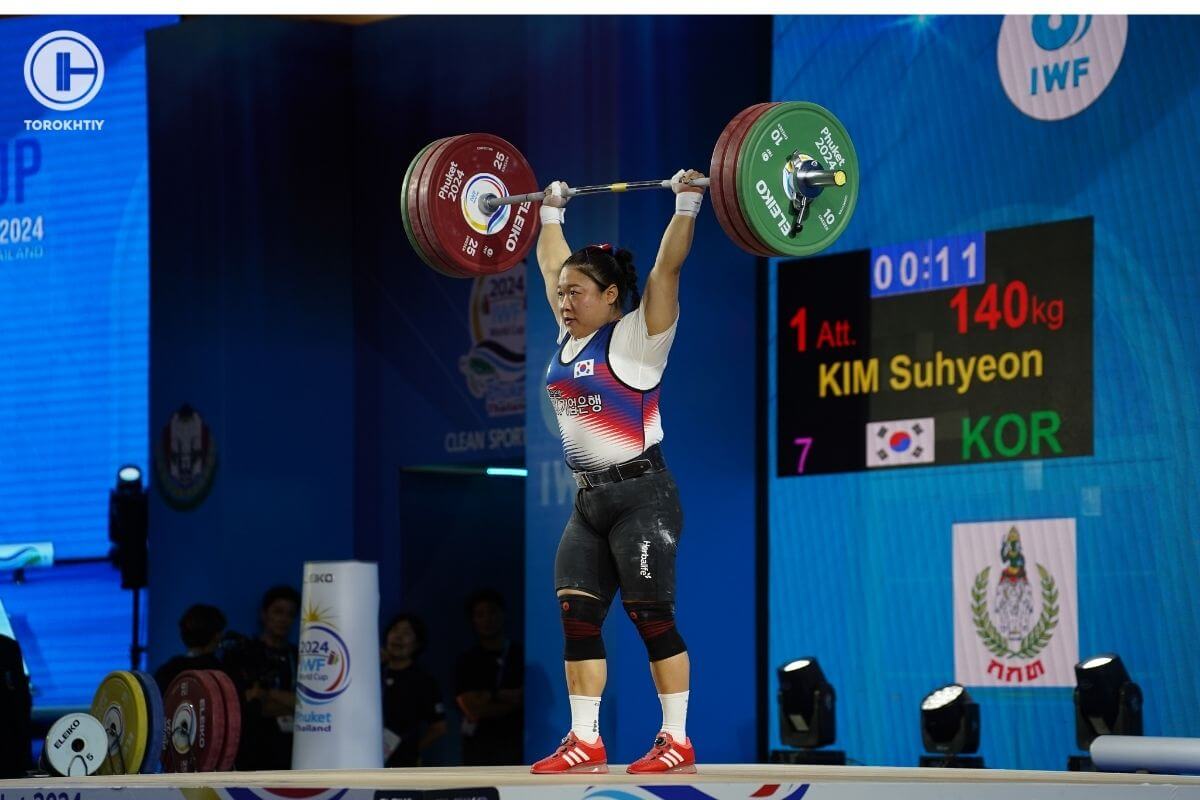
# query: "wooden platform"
[[723, 782]]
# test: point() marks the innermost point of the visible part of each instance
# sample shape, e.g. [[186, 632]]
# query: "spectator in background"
[[200, 628], [489, 687], [265, 672], [413, 714]]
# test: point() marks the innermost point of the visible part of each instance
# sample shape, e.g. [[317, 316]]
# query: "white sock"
[[674, 708], [585, 717]]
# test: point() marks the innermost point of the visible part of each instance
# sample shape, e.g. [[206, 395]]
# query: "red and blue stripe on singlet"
[[602, 420]]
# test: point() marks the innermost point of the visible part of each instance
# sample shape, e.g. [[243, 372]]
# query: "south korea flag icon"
[[900, 442], [585, 368]]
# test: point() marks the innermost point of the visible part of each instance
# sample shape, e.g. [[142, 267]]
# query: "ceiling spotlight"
[[806, 714], [1106, 700], [950, 728]]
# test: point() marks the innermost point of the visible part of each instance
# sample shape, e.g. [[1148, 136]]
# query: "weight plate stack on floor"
[[196, 723], [75, 745], [233, 719], [156, 730], [121, 705]]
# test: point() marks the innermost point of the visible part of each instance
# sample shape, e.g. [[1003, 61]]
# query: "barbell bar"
[[468, 201]]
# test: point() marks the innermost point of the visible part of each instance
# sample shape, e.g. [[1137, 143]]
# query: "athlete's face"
[[585, 306]]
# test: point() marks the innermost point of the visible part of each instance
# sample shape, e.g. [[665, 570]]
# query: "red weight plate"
[[454, 178], [419, 201], [414, 213], [720, 198], [233, 719], [714, 182], [729, 175], [405, 217], [195, 711]]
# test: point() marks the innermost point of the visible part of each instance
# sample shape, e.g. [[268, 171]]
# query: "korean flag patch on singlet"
[[585, 368]]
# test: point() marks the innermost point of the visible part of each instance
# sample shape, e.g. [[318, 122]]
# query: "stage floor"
[[719, 781]]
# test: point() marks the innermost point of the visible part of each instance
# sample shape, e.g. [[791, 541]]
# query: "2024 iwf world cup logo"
[[324, 669], [495, 365]]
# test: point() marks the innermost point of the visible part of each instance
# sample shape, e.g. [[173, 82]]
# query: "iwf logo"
[[1053, 66], [64, 70], [324, 668]]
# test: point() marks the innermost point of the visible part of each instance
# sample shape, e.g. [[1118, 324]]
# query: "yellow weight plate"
[[120, 705]]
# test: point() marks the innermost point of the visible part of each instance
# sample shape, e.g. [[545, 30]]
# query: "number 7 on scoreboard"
[[805, 443]]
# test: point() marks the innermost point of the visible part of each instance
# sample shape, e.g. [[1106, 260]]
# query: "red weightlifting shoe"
[[574, 755], [666, 756]]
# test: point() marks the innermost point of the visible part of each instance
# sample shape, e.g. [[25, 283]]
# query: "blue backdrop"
[[860, 564], [313, 338], [251, 307], [298, 322], [74, 334]]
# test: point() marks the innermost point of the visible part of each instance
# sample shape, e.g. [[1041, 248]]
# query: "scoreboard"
[[963, 349]]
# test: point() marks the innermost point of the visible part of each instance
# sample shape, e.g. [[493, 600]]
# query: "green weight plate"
[[764, 177]]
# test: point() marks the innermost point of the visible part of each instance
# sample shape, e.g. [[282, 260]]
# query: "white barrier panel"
[[1164, 754], [339, 714]]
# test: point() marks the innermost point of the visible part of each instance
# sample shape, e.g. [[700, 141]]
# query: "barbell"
[[783, 179]]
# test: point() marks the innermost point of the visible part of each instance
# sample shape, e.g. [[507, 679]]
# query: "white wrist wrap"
[[688, 203], [551, 215]]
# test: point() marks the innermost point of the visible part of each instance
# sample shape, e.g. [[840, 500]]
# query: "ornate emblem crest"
[[1008, 629], [185, 459]]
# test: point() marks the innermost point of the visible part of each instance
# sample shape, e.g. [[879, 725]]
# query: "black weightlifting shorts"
[[623, 535]]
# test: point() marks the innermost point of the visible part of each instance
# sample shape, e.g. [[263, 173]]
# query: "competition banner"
[[966, 349], [339, 708]]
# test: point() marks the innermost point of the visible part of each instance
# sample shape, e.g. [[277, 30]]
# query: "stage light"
[[806, 714], [128, 523], [1106, 700], [950, 727], [507, 472]]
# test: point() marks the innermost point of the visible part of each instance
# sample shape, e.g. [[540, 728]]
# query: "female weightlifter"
[[604, 384]]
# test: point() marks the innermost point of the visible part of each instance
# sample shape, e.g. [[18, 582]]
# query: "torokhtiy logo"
[[64, 70]]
